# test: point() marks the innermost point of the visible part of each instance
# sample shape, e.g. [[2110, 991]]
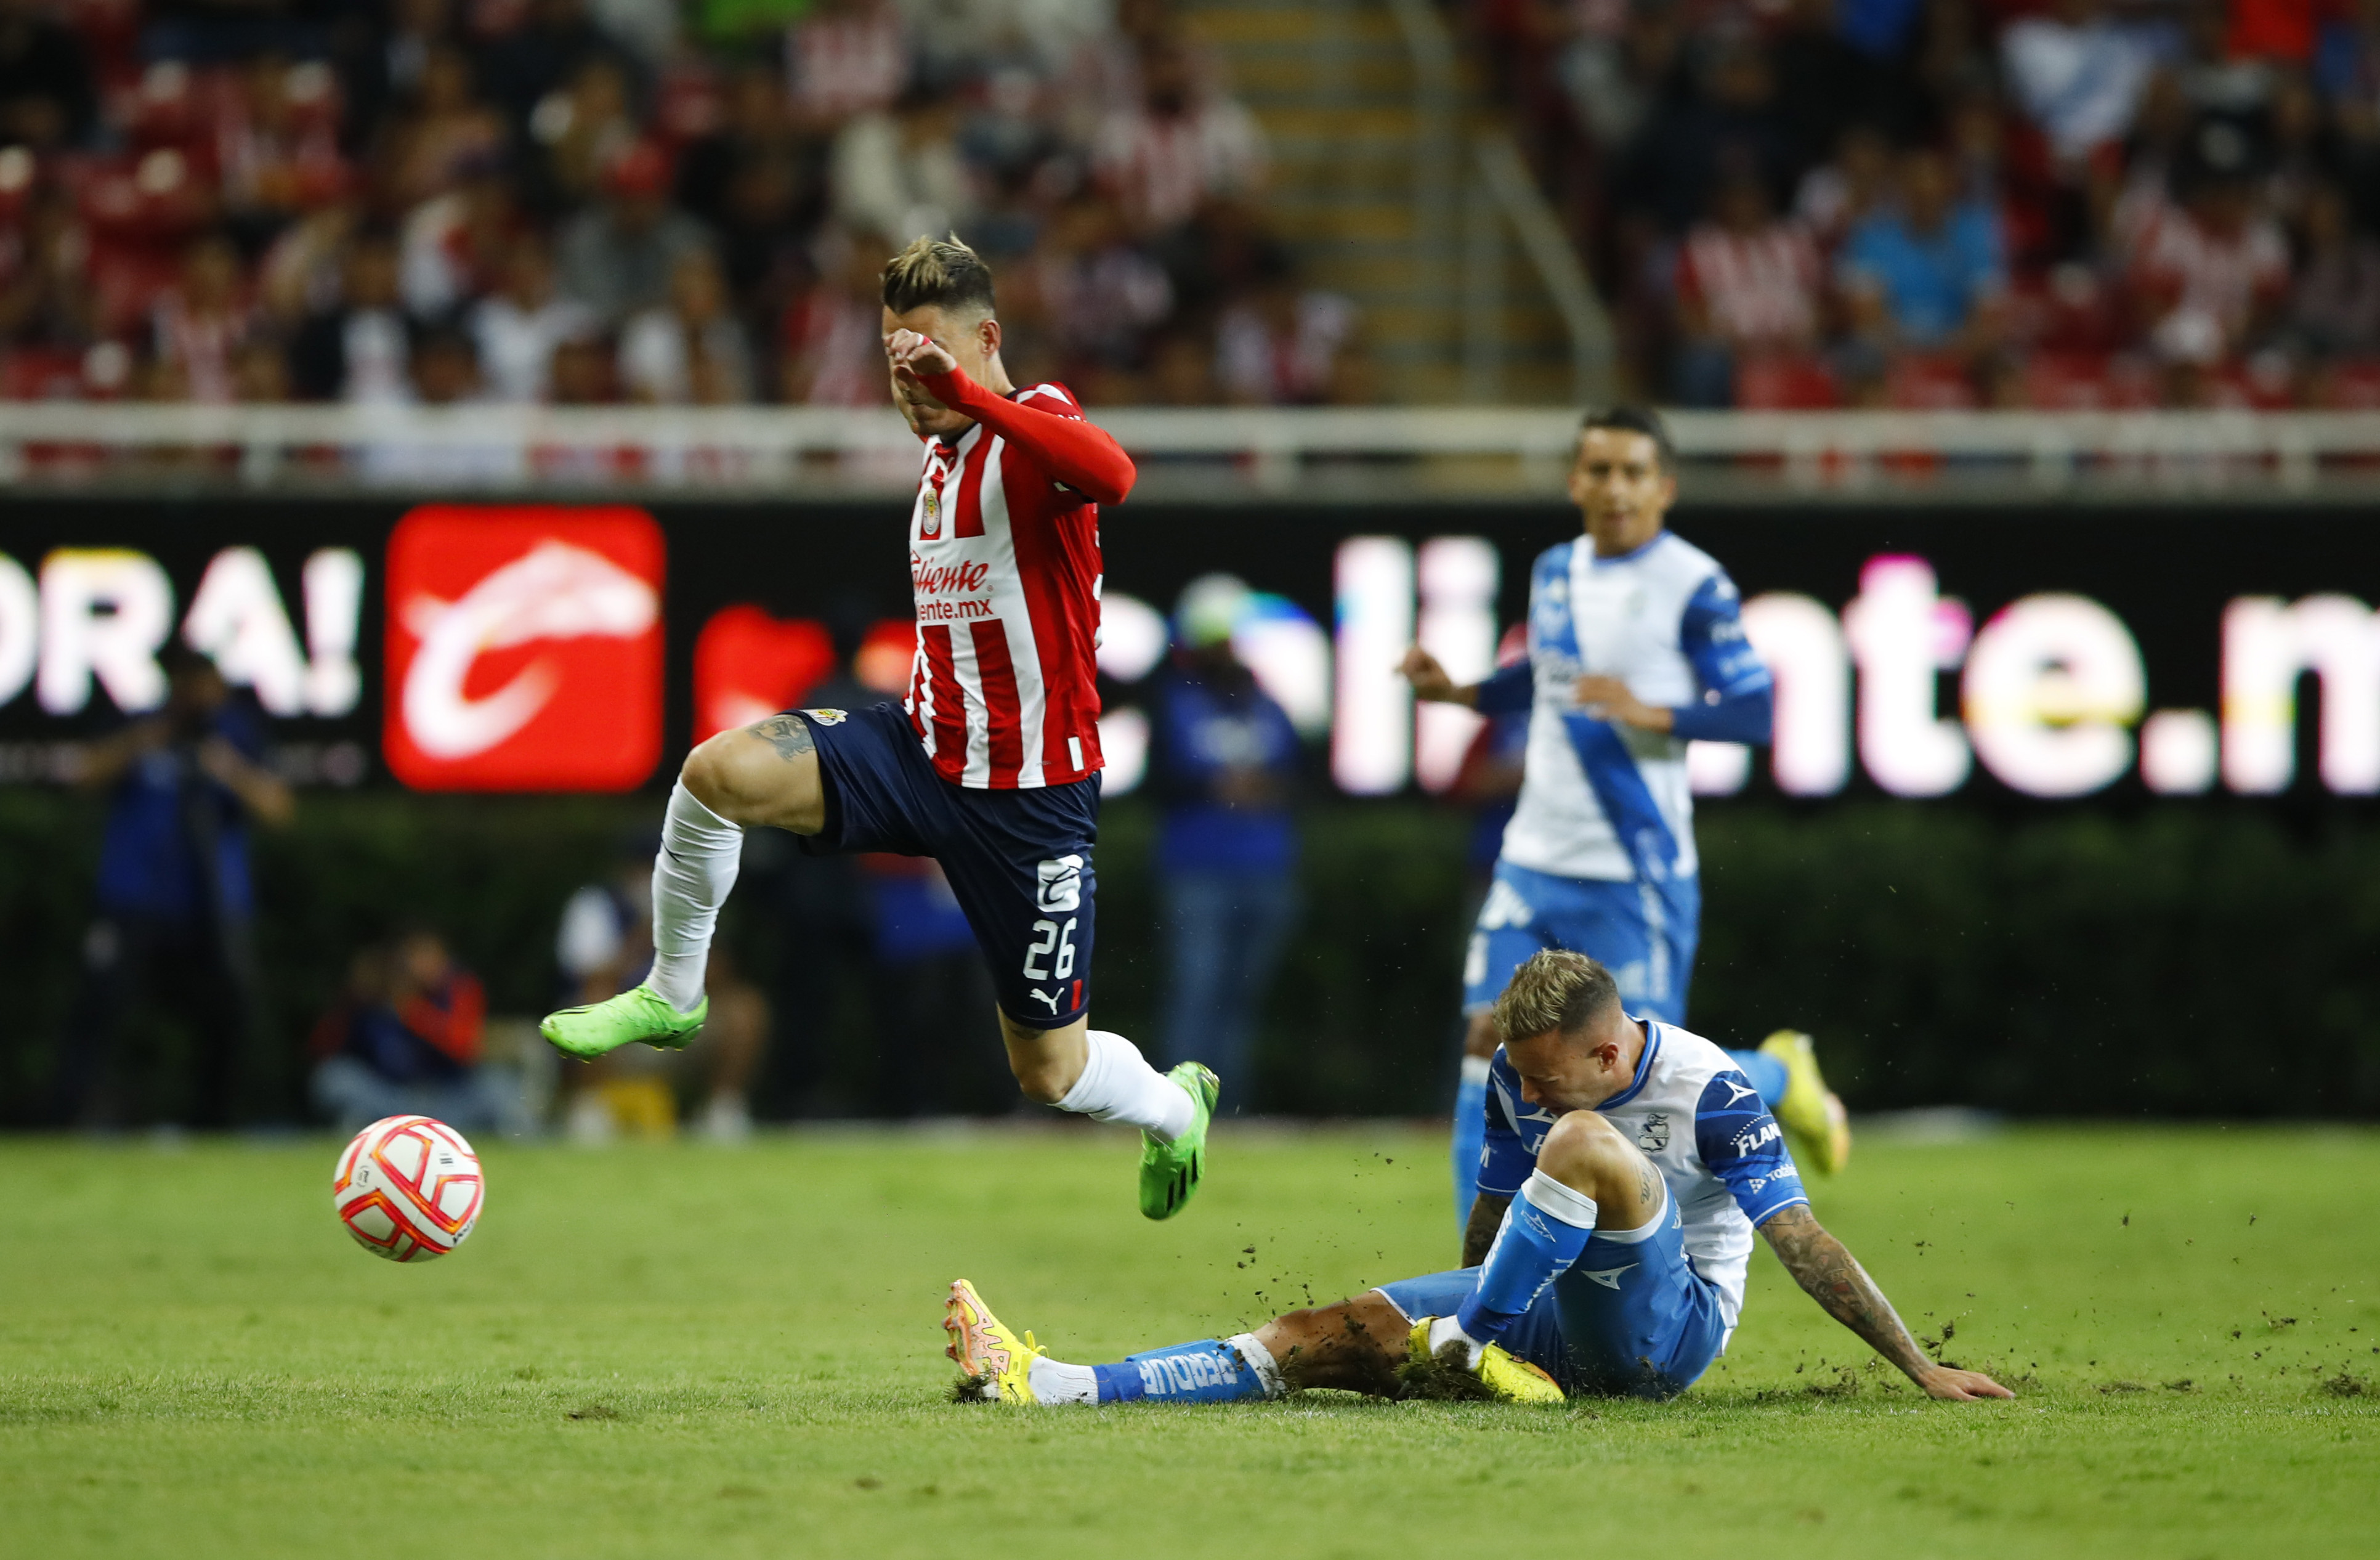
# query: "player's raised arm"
[[1077, 453], [1834, 1278]]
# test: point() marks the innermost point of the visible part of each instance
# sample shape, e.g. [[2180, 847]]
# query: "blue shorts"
[[1019, 863], [1632, 1317], [1645, 934]]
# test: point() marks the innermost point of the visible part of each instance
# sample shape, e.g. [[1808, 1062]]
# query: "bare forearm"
[[1834, 1278], [1486, 1218]]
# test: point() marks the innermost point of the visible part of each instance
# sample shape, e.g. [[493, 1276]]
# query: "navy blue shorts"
[[1019, 863]]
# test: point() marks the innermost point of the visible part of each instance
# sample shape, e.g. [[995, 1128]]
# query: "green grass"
[[684, 1351]]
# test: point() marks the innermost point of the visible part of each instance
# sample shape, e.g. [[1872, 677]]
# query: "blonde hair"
[[1556, 990], [938, 273]]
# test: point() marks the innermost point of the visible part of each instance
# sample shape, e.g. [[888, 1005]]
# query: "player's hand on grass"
[[1610, 698], [1429, 680], [913, 354], [1953, 1385]]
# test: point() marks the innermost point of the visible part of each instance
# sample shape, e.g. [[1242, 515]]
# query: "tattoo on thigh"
[[790, 735]]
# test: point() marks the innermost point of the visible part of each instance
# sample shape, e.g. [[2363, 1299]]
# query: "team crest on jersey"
[[826, 717], [1655, 1134]]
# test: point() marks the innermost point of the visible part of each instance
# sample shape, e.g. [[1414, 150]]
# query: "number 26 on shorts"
[[1048, 937]]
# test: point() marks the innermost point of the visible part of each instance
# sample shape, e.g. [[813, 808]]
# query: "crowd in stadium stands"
[[624, 201], [1945, 203]]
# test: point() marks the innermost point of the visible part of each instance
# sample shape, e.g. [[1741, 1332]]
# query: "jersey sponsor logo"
[[1655, 1134], [948, 579], [1609, 1277], [827, 717], [1058, 885], [1736, 1092], [1765, 1130], [524, 648]]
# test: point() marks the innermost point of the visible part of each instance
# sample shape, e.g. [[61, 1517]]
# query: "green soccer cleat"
[[1817, 1126], [1171, 1172], [637, 1013]]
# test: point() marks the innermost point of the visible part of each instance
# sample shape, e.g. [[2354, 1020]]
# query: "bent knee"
[[747, 782], [1582, 1147]]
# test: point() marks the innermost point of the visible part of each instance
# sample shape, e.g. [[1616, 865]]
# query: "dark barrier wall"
[[1967, 939]]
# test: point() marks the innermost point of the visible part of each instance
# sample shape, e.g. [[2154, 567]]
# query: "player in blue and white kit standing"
[[1628, 1165], [1636, 647]]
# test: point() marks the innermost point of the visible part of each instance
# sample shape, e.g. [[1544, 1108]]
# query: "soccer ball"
[[409, 1187]]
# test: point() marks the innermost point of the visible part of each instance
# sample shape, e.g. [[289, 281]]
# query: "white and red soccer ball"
[[408, 1188]]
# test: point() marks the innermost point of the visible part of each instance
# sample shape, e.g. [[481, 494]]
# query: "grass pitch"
[[675, 1351]]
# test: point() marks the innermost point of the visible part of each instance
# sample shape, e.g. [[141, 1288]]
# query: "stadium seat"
[[1797, 384], [1928, 382]]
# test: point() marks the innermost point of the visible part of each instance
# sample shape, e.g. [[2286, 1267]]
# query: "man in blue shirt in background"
[[1223, 760], [174, 918]]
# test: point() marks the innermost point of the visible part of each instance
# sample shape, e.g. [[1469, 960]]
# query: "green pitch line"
[[688, 1352]]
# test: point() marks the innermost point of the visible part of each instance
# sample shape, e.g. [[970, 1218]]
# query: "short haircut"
[[1556, 990], [1634, 419], [936, 272]]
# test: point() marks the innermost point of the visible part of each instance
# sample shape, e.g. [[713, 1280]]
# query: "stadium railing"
[[1212, 454]]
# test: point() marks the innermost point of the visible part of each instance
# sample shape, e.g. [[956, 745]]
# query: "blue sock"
[[1764, 1072], [1545, 1229], [1210, 1371], [1470, 1135]]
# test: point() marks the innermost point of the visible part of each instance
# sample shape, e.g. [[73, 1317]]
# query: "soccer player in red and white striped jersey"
[[990, 765]]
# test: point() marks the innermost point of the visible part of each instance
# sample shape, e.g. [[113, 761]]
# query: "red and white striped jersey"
[[1005, 565]]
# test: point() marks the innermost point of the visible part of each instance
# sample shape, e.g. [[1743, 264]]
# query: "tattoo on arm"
[[1645, 1194], [790, 735], [1486, 1218], [1842, 1288]]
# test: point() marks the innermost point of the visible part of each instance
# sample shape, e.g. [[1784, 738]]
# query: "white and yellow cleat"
[[995, 1360], [1507, 1379], [1816, 1122]]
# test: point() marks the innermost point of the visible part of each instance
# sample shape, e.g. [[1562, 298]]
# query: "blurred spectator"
[[443, 133], [1748, 285], [900, 174], [520, 329], [832, 345], [617, 256], [457, 245], [279, 153], [1179, 146], [198, 327], [578, 131], [931, 997], [173, 923], [759, 185], [2335, 306], [45, 294], [1824, 83], [847, 58], [535, 61], [1614, 79], [1095, 294], [1283, 345], [2213, 273], [445, 366], [2219, 83], [690, 350], [1728, 127], [1223, 760], [357, 350], [381, 66], [1928, 271], [405, 1038], [48, 98], [582, 373], [2077, 74]]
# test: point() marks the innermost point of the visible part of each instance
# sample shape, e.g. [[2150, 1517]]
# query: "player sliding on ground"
[[1627, 1165], [990, 762]]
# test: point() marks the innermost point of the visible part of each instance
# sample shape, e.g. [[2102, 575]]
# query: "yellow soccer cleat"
[[1508, 1379], [1816, 1122], [996, 1361]]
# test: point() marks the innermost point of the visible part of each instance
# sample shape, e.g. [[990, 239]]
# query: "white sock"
[[699, 854], [1446, 1329], [1118, 1084], [1260, 1360], [1053, 1382]]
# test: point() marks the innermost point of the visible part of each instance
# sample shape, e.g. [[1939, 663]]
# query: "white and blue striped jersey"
[[1599, 799], [1697, 1119]]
